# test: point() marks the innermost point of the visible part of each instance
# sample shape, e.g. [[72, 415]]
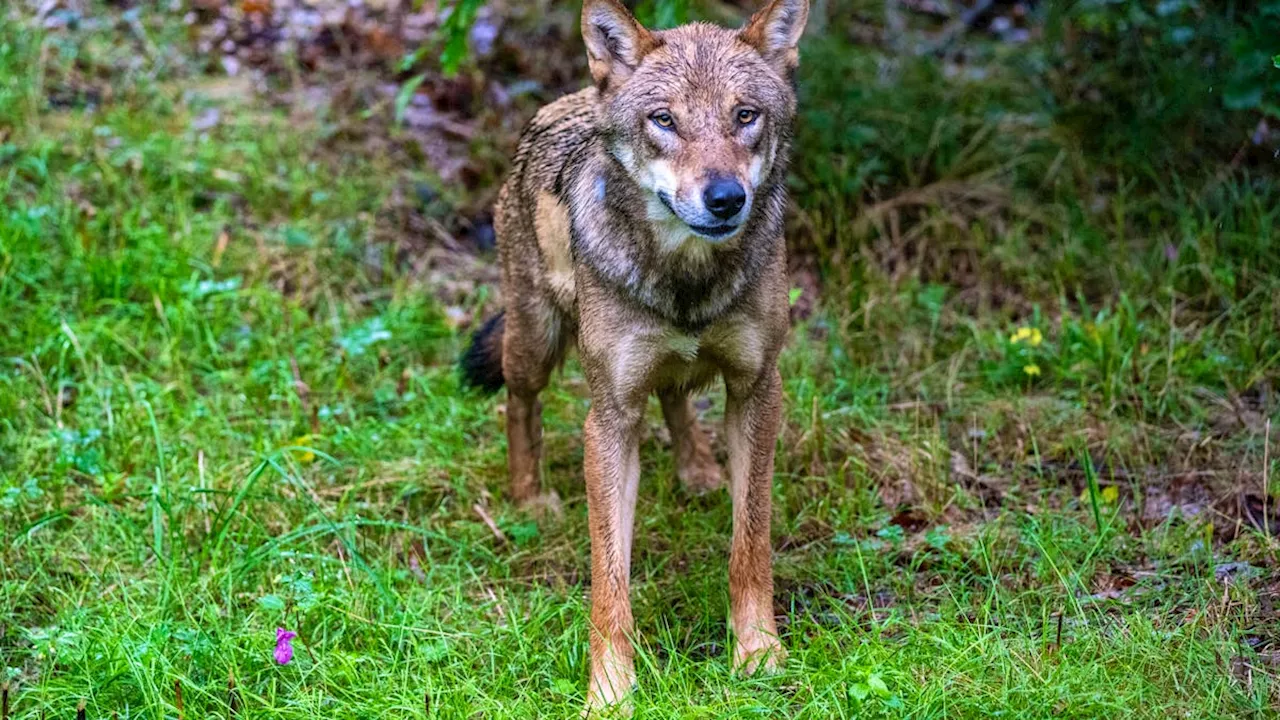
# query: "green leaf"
[[523, 533], [1275, 60], [938, 537], [456, 28], [859, 691], [271, 602], [877, 685], [893, 533], [297, 237], [1091, 487], [406, 95], [660, 14], [794, 295], [411, 60], [565, 687], [436, 651]]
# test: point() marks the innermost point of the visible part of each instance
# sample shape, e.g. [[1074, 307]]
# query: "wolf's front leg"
[[612, 469], [752, 416]]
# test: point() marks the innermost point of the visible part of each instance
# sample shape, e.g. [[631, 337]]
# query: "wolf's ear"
[[775, 32], [616, 42]]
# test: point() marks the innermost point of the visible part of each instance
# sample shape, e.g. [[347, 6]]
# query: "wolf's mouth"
[[714, 232]]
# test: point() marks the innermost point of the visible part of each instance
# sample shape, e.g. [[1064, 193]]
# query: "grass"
[[223, 411]]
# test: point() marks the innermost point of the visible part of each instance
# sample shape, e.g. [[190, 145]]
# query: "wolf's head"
[[699, 114]]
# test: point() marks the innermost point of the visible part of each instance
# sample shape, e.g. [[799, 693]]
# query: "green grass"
[[224, 409]]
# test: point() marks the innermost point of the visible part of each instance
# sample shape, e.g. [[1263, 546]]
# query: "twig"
[[304, 393], [496, 602], [297, 623], [342, 557], [80, 710], [1226, 172], [177, 697], [488, 520], [300, 387], [33, 368], [4, 701], [1058, 642], [221, 247], [1266, 476], [233, 700], [204, 497], [426, 704]]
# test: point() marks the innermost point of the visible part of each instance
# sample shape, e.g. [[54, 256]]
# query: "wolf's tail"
[[481, 364]]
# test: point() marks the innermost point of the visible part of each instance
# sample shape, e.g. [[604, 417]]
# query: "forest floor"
[[1025, 456]]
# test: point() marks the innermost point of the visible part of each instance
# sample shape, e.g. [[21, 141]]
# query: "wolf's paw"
[[762, 653], [700, 474], [610, 694], [544, 506], [597, 709]]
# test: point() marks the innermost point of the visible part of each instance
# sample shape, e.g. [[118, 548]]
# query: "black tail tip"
[[481, 364]]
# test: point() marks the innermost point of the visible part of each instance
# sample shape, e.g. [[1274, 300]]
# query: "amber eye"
[[746, 116], [663, 119]]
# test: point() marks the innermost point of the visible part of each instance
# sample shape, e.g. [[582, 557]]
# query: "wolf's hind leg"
[[695, 465], [531, 350]]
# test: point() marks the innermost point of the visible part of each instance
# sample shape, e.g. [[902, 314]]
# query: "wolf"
[[642, 224]]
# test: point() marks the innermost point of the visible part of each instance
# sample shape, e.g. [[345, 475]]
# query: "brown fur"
[[608, 242]]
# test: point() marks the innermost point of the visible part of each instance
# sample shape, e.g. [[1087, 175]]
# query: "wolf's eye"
[[746, 116], [663, 119]]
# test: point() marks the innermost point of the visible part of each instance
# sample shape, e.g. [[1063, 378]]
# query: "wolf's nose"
[[724, 198]]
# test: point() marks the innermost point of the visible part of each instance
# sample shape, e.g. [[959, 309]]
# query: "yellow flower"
[[1109, 495], [1033, 336], [306, 456], [1033, 370], [1091, 330]]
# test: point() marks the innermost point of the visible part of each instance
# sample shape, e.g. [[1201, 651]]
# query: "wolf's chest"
[[681, 360], [666, 357]]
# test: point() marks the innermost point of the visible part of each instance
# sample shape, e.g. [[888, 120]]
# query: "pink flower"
[[284, 648]]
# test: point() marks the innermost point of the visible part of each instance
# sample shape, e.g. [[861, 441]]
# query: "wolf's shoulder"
[[560, 125], [554, 134], [575, 109]]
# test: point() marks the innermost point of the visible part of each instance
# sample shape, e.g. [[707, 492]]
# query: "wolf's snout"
[[724, 198]]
